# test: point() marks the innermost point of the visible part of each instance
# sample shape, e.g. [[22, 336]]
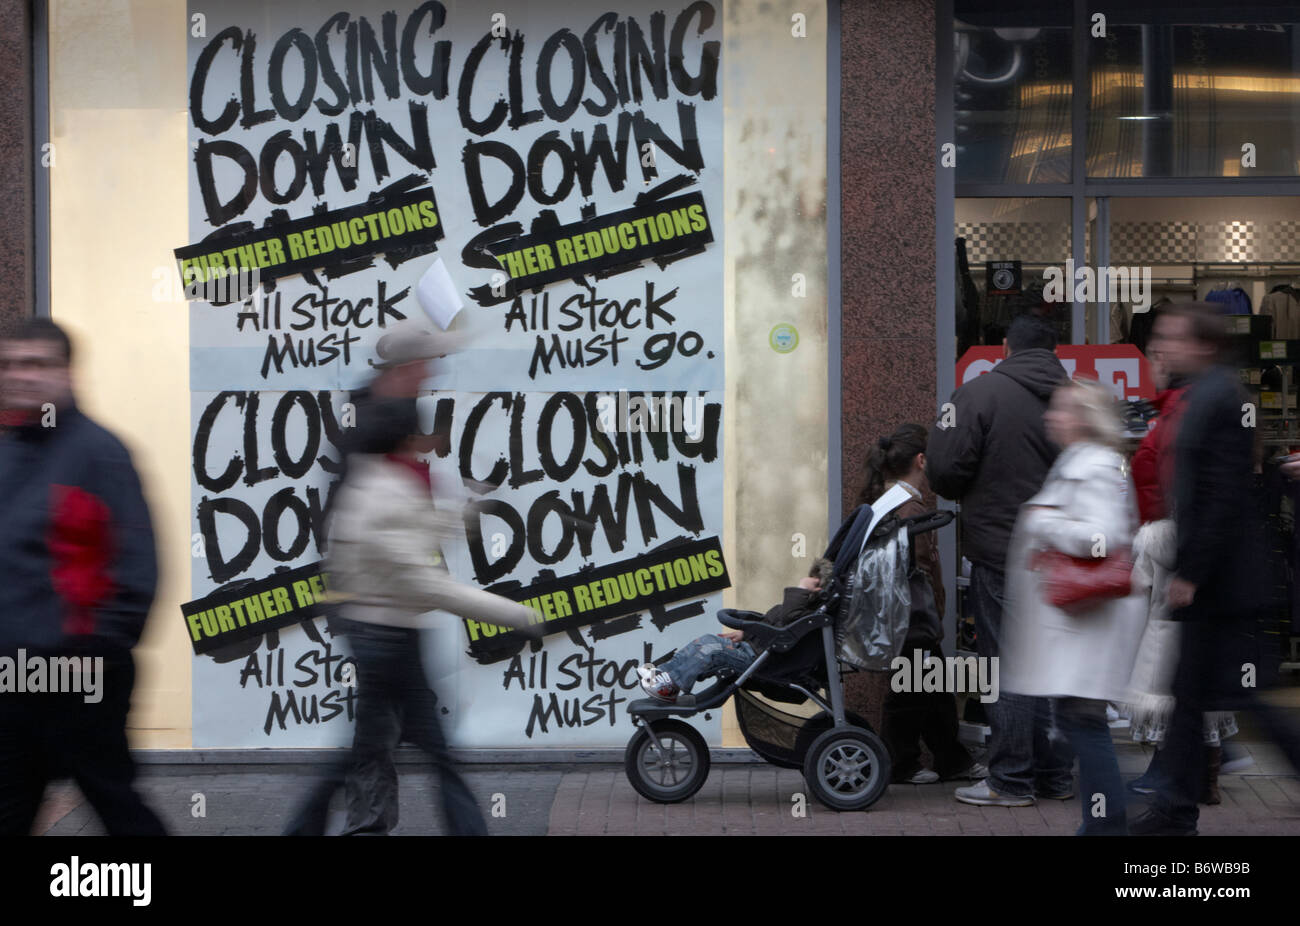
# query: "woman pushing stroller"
[[898, 462]]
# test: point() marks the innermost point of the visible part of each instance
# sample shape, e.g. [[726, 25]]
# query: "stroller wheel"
[[674, 771], [847, 768]]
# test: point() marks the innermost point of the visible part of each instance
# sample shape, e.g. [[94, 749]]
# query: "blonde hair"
[[1097, 412]]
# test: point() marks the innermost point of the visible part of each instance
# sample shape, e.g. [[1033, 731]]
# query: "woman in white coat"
[[1086, 508]]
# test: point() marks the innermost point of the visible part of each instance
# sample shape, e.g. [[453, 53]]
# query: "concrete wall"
[[777, 422], [117, 208]]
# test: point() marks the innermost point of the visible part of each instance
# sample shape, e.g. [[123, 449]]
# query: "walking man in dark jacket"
[[1220, 573], [990, 452], [79, 572]]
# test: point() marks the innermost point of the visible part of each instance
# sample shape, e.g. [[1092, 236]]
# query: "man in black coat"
[[990, 452], [1220, 574]]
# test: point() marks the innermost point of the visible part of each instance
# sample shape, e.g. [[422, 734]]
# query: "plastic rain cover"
[[872, 630]]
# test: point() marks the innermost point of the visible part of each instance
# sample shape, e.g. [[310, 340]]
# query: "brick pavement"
[[596, 799]]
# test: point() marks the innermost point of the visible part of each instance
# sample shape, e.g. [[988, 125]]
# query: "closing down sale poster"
[[546, 181]]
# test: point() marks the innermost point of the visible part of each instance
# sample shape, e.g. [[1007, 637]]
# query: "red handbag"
[[1076, 584]]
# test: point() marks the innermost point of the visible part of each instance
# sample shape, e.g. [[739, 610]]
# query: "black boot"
[[1149, 781]]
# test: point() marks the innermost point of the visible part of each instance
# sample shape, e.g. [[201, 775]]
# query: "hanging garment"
[[1284, 308], [1234, 300], [1121, 322], [968, 302]]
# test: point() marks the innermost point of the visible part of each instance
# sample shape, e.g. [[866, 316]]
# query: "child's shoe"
[[658, 685]]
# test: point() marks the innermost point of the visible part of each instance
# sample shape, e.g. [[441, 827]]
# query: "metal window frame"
[[945, 353], [834, 287], [1081, 188]]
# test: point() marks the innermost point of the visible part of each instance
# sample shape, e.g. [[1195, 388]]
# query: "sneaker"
[[923, 777], [658, 685], [984, 796], [977, 772], [1235, 759]]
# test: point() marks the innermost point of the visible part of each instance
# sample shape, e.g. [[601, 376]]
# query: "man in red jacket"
[[79, 572]]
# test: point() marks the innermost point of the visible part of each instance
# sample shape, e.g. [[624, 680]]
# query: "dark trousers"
[[1101, 789], [912, 716], [1023, 757], [47, 736], [393, 701], [1209, 677]]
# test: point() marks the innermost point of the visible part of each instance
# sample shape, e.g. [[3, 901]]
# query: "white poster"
[[544, 179]]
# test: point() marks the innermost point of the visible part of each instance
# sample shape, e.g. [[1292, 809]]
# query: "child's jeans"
[[705, 656]]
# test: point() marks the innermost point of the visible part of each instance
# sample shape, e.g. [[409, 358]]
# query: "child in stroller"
[[705, 656], [854, 618]]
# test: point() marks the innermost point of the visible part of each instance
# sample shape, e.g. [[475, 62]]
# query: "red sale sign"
[[1122, 367]]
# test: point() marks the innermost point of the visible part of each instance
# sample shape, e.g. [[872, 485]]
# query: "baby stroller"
[[859, 624]]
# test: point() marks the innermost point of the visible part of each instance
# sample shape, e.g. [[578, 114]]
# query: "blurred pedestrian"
[[383, 558], [992, 454], [1150, 698], [1219, 577], [1081, 657], [380, 409], [79, 573]]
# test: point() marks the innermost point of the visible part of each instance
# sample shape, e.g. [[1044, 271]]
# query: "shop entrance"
[[1109, 159]]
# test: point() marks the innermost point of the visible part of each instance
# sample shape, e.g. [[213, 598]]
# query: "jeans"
[[1101, 790], [393, 699], [705, 656], [45, 736], [1024, 757]]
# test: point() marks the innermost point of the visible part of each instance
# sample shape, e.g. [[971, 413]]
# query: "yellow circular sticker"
[[783, 338]]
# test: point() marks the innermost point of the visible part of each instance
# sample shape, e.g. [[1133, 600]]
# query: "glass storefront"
[[1142, 156], [1194, 99], [1012, 94]]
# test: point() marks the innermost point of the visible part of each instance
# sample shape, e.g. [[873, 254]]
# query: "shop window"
[[1004, 248], [1012, 92], [1194, 100]]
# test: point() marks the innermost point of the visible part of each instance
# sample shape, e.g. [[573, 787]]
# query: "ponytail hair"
[[891, 458]]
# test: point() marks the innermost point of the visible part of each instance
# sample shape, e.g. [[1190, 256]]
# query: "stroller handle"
[[930, 521]]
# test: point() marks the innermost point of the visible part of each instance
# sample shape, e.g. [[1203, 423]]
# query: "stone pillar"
[[16, 190], [887, 170]]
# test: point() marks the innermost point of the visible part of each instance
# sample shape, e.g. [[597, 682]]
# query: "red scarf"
[[420, 469], [18, 417]]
